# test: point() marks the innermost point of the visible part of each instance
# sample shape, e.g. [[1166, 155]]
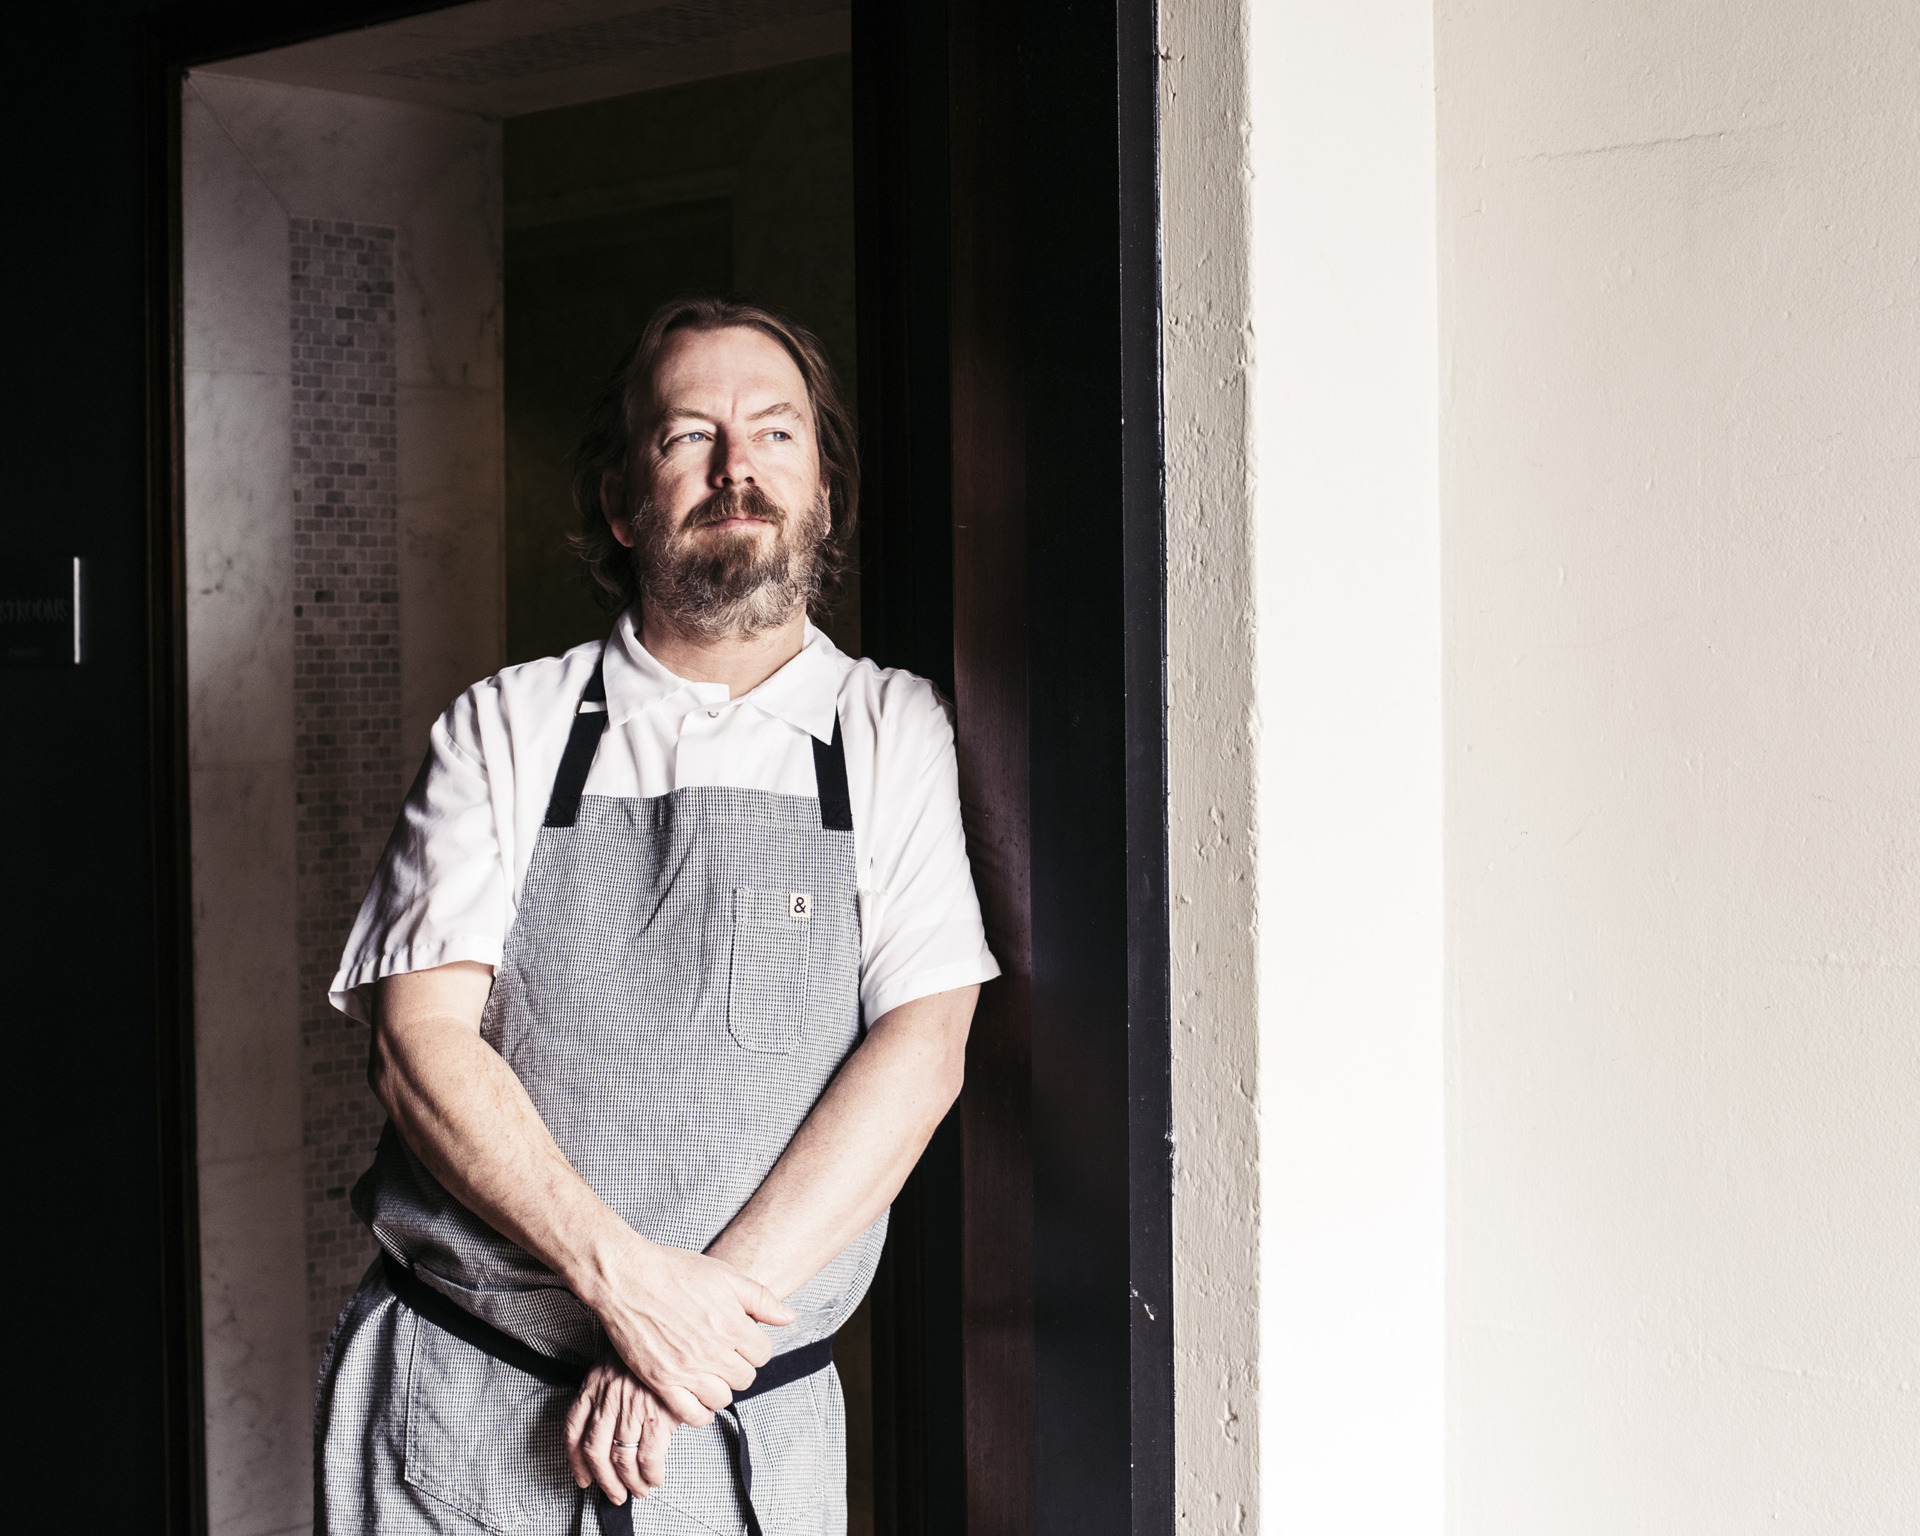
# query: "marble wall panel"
[[344, 158], [255, 157], [452, 440], [258, 1382], [259, 1375], [449, 294], [246, 1044], [452, 551], [239, 547], [258, 1378], [235, 291]]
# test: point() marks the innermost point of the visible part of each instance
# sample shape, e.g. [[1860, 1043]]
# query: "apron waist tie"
[[615, 1519]]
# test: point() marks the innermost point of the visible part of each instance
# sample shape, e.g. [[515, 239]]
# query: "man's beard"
[[735, 584]]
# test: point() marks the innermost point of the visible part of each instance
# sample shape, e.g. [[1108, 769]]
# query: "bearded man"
[[617, 959]]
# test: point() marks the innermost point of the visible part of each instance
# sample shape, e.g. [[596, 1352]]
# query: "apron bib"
[[680, 983]]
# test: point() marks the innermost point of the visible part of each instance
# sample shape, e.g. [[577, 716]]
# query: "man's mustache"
[[735, 501]]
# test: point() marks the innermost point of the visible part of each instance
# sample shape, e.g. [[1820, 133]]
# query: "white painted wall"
[[1348, 546], [1681, 309], [252, 156], [1303, 544]]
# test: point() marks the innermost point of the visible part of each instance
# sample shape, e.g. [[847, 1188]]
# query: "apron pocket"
[[767, 977], [486, 1438]]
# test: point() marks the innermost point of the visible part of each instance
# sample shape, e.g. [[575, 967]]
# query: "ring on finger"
[[626, 1445]]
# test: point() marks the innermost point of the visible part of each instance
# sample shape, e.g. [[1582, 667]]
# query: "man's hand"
[[684, 1324], [617, 1435]]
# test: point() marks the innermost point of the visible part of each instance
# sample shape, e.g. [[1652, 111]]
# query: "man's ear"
[[613, 499]]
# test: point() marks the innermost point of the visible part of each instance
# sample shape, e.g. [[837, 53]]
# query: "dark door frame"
[[1014, 548], [1010, 387]]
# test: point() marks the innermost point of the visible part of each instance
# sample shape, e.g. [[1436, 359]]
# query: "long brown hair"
[[606, 445]]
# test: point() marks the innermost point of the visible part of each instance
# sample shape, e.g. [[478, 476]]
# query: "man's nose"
[[732, 464]]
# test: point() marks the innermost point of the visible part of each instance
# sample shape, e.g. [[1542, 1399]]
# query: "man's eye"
[[689, 437], [780, 437]]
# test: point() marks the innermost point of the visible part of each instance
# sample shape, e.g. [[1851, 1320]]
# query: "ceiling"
[[504, 57]]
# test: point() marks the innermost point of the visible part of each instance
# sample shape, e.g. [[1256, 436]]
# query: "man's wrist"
[[605, 1259], [742, 1252]]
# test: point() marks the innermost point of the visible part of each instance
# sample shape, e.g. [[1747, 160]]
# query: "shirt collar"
[[804, 693]]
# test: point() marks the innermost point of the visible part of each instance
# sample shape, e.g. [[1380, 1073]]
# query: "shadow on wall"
[[740, 185]]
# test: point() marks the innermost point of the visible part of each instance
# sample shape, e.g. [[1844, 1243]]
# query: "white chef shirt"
[[449, 881]]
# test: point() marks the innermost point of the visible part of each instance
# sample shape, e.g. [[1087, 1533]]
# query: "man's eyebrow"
[[683, 413], [694, 413]]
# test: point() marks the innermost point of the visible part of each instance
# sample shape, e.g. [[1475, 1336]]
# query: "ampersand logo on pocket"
[[799, 904]]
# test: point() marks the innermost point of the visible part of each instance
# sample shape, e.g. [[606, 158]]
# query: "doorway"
[[1005, 340]]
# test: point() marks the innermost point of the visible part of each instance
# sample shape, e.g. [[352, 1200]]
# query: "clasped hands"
[[683, 1326]]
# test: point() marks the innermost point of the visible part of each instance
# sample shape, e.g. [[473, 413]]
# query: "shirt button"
[[713, 714]]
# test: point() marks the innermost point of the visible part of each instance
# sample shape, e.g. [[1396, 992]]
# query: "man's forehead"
[[736, 369]]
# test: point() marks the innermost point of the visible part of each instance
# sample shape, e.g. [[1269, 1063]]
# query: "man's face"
[[730, 507]]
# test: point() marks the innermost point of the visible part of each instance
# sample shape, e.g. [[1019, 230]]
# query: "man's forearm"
[[682, 1322], [854, 1151], [468, 1118]]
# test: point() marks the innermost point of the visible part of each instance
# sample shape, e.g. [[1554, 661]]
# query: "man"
[[616, 959]]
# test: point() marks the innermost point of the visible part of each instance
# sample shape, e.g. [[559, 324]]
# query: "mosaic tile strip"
[[348, 777]]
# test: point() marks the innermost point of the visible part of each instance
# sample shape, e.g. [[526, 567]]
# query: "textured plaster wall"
[[1680, 459], [1212, 759]]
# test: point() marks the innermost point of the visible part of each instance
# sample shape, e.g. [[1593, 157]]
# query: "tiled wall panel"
[[348, 770]]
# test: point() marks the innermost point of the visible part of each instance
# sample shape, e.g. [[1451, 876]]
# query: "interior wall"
[[1679, 468], [1347, 560], [1304, 759], [343, 544], [1304, 764], [740, 184]]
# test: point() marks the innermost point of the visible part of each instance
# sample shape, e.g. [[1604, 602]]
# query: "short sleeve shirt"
[[449, 882]]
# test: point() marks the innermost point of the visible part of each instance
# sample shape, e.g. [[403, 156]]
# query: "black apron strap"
[[742, 1467], [830, 774], [785, 1370], [615, 1519], [563, 806], [447, 1314]]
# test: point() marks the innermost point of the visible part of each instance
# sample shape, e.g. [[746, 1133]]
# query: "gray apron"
[[680, 983]]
